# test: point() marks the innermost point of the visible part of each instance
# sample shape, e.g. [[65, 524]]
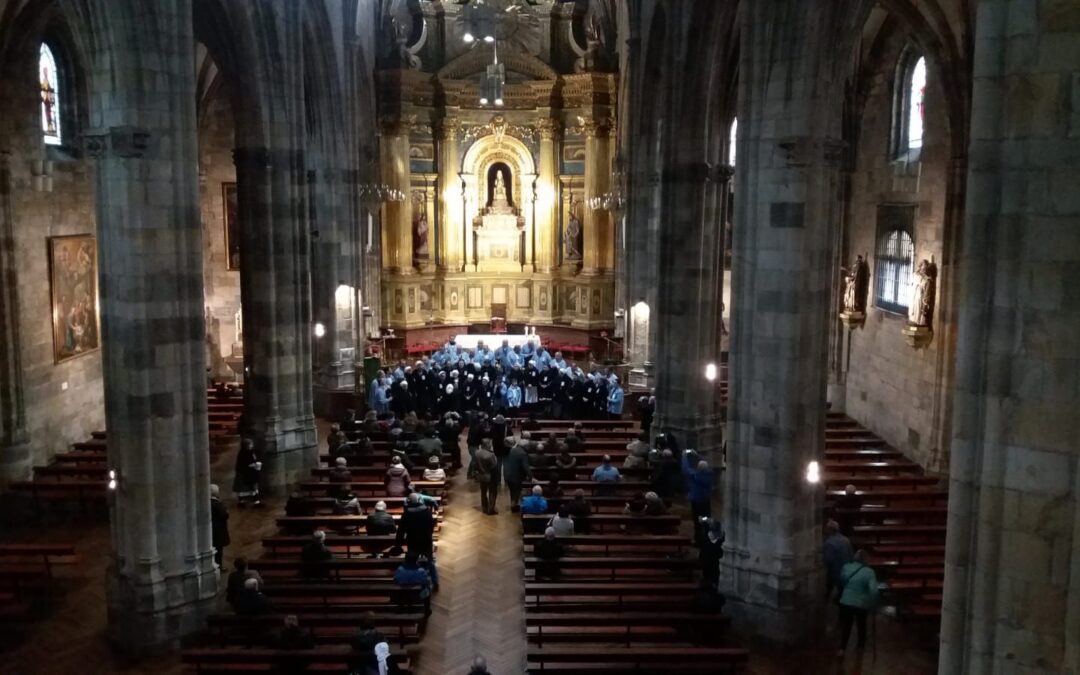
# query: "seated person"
[[606, 473], [654, 506], [553, 490], [535, 502], [293, 637], [250, 601], [340, 473], [397, 479], [347, 504], [562, 523], [240, 574], [565, 460], [531, 424], [549, 551], [335, 441], [636, 506], [580, 510], [380, 524], [574, 442], [434, 470], [314, 556], [429, 444], [297, 506], [637, 452], [412, 573], [368, 643]]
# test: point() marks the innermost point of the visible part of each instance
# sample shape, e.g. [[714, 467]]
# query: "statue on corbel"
[[919, 330], [855, 286]]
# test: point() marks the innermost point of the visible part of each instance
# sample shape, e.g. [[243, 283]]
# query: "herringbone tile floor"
[[479, 608]]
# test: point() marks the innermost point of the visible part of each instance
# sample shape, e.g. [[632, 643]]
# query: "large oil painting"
[[74, 276], [232, 227]]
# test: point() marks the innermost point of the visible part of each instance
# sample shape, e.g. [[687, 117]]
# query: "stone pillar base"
[[149, 611], [290, 452], [780, 607], [16, 463]]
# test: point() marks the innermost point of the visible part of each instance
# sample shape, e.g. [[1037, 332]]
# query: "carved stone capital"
[[449, 129], [595, 128], [396, 125], [549, 129], [122, 142]]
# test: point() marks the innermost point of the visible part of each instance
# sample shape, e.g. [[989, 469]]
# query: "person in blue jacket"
[[382, 399], [535, 502], [699, 481], [513, 397], [615, 399]]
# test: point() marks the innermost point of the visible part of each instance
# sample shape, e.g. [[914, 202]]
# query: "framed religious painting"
[[232, 225], [73, 279]]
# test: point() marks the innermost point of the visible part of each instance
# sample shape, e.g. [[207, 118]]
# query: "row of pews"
[[80, 476], [352, 584], [901, 521], [623, 597], [27, 582]]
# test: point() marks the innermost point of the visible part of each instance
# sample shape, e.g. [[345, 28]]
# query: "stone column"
[[275, 263], [451, 247], [548, 239], [687, 305], [781, 289], [597, 177], [162, 580], [397, 226], [15, 458], [1012, 562], [332, 254]]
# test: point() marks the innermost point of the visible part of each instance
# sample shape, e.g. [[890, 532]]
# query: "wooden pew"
[[626, 628], [347, 544], [328, 628], [45, 555], [311, 523], [619, 544], [651, 659], [323, 659], [623, 596], [369, 488], [611, 568], [336, 568], [605, 522], [373, 594]]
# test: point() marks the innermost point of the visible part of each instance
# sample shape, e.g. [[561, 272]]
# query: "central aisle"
[[479, 608]]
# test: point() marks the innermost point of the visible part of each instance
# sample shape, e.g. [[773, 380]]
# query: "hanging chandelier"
[[377, 193]]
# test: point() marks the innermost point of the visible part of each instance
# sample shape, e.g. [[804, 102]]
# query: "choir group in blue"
[[507, 380]]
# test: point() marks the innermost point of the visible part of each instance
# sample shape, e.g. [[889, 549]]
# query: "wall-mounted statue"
[[572, 238], [856, 286], [420, 237], [924, 295], [920, 330]]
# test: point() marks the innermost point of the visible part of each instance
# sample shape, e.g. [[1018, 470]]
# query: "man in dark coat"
[[417, 531], [516, 471], [219, 525]]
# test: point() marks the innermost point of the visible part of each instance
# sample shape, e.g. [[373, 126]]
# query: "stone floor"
[[477, 611]]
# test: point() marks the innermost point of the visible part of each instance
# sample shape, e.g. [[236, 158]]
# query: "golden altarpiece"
[[498, 181]]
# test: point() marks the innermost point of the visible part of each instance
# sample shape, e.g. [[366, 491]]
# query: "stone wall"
[[892, 388], [63, 401], [222, 285]]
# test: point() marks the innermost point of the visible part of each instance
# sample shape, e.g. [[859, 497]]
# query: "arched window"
[[50, 96], [917, 106], [909, 117], [732, 137], [893, 266]]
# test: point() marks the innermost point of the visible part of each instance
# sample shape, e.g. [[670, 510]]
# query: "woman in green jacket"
[[858, 597]]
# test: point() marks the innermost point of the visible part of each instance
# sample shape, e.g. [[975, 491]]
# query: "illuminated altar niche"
[[543, 130]]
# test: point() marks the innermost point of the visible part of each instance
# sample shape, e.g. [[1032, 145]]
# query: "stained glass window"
[[917, 105], [731, 141], [50, 97], [893, 262]]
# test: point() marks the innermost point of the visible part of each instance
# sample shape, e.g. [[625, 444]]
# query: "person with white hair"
[[535, 502], [379, 522], [434, 470], [219, 524], [548, 550], [340, 473], [479, 666], [250, 601], [314, 557]]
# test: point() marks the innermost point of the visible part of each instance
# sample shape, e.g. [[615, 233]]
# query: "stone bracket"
[[124, 142]]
